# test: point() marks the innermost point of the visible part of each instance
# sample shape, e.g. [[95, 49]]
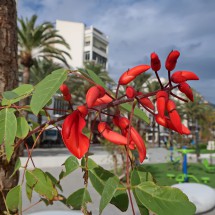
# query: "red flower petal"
[[186, 89], [130, 92], [174, 116], [155, 62], [64, 89], [93, 94], [182, 76], [83, 110], [103, 100], [138, 141], [73, 138], [110, 135], [131, 74], [161, 99], [172, 60]]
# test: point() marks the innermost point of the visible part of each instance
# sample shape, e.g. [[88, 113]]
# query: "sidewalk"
[[51, 160]]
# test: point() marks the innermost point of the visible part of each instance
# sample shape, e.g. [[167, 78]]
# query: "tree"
[[8, 77], [38, 41], [41, 69]]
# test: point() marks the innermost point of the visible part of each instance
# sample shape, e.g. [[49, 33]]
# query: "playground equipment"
[[209, 168]]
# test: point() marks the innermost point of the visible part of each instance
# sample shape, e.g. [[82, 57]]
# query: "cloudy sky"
[[136, 28]]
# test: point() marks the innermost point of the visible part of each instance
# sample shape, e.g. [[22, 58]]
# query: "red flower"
[[155, 62], [131, 74], [186, 89], [73, 138], [130, 92], [161, 100], [145, 102], [103, 100], [135, 137], [166, 122], [93, 94], [65, 91], [172, 60], [110, 135], [182, 76], [174, 116]]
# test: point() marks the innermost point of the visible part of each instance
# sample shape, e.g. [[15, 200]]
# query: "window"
[[59, 106], [99, 59], [86, 56], [87, 43], [99, 45]]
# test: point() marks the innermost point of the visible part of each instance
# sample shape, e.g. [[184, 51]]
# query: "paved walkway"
[[52, 159]]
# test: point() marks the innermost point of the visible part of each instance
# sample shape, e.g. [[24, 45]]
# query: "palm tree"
[[38, 41], [41, 69]]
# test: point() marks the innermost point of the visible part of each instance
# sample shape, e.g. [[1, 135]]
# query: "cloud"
[[137, 28]]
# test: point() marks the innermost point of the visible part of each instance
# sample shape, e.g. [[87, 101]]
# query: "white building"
[[86, 43]]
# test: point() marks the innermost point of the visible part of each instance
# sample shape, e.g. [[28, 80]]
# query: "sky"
[[136, 28]]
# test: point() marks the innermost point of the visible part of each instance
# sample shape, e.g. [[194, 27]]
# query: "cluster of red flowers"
[[166, 114]]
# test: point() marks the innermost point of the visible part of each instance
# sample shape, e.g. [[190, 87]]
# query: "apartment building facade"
[[86, 43]]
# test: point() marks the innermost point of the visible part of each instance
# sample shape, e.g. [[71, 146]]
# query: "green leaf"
[[8, 127], [41, 183], [71, 164], [79, 199], [138, 176], [109, 190], [29, 191], [54, 180], [96, 78], [17, 94], [164, 200], [22, 127], [99, 176], [90, 164], [46, 89], [137, 112], [17, 166], [14, 199], [9, 95]]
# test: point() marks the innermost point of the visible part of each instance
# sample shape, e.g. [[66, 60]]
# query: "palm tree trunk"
[[26, 75], [9, 80]]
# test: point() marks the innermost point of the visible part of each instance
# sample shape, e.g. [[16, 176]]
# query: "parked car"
[[51, 137]]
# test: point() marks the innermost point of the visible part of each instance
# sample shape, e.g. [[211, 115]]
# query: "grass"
[[205, 151], [159, 172]]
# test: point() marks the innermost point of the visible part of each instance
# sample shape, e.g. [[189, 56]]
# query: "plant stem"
[[161, 85], [127, 159], [32, 206]]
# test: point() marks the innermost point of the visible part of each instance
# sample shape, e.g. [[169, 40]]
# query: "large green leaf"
[[164, 200], [46, 89], [14, 199], [99, 176], [41, 183], [137, 112], [71, 164], [79, 199], [96, 78], [22, 127], [8, 127], [108, 192], [138, 175], [10, 97]]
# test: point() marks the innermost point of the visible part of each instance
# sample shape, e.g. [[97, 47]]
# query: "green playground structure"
[[209, 168]]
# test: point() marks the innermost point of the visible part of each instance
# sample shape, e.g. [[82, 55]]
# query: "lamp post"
[[197, 140]]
